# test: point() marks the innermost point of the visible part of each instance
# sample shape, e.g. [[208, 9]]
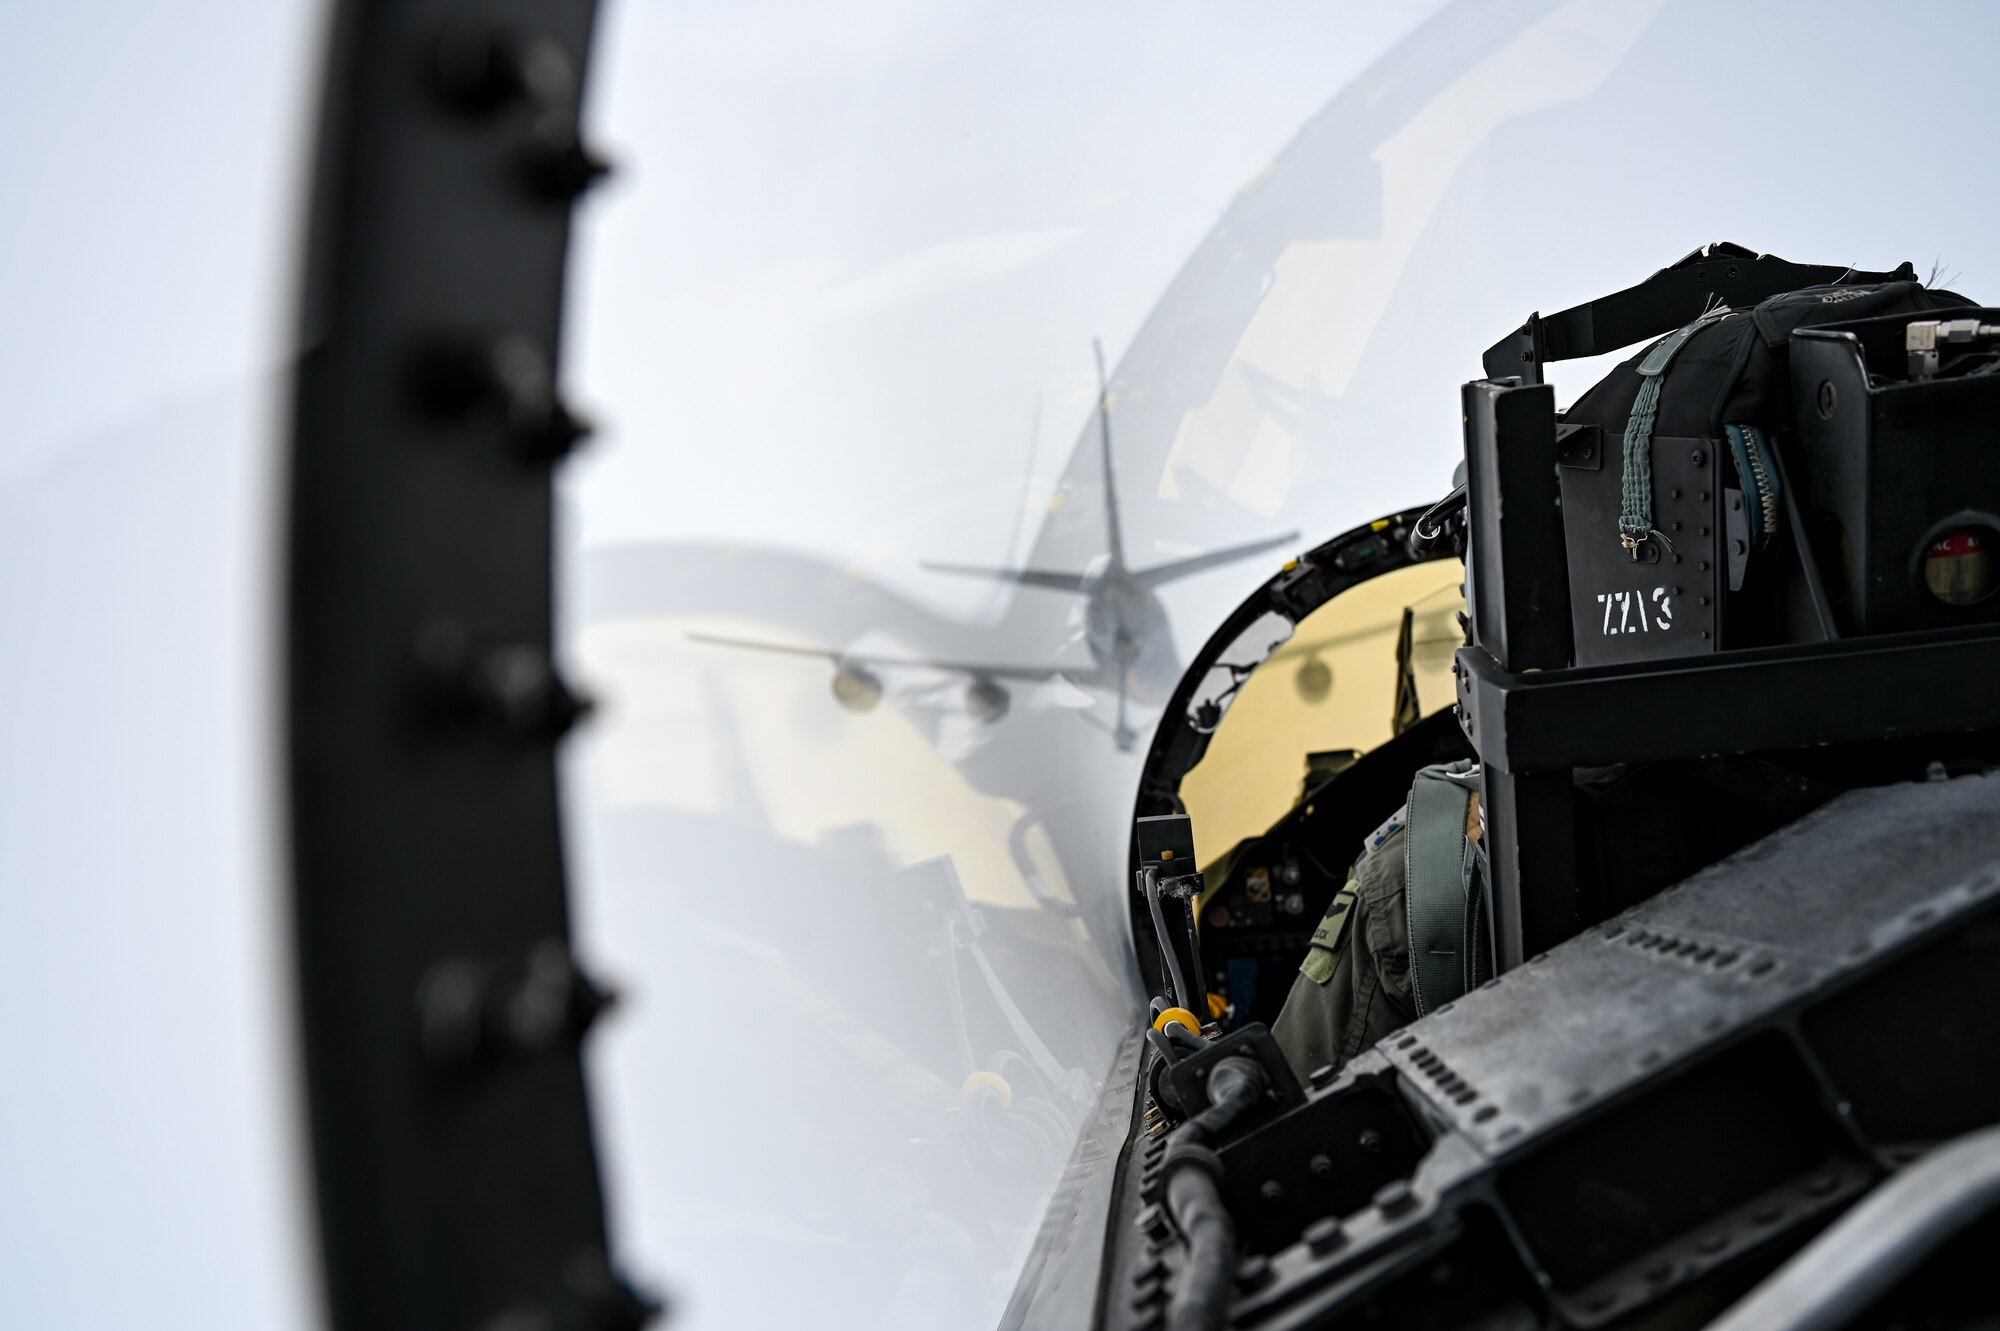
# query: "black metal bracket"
[[457, 1174], [1188, 1078], [1515, 569], [1519, 585], [1763, 699]]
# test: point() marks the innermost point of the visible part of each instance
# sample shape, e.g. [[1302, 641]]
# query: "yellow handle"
[[992, 1081]]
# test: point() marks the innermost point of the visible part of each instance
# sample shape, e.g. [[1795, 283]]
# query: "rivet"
[[609, 1302], [1819, 1185], [1321, 1167], [457, 375], [1322, 1076], [1395, 1198], [468, 1011], [556, 162], [1371, 1141], [1711, 1243], [477, 69], [1273, 1192], [511, 685], [1253, 1271], [1323, 1236]]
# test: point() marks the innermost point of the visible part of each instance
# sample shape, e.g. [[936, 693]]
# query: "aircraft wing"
[[1229, 554], [984, 670]]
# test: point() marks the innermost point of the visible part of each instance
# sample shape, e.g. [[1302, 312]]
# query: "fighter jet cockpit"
[[968, 666]]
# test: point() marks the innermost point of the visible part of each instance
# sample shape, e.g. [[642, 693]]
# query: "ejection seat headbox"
[[1704, 508]]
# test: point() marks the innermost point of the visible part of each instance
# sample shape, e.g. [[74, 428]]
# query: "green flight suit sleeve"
[[1353, 987]]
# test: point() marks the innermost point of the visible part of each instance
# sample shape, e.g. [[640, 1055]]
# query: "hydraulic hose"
[[1201, 1303], [1193, 1178]]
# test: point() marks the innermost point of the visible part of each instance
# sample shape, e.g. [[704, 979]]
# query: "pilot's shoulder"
[[1373, 843]]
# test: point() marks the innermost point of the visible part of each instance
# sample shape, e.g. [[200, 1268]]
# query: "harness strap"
[[1439, 885], [1635, 515]]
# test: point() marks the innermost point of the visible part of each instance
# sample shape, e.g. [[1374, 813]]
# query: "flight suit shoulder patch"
[[1381, 836], [1323, 956]]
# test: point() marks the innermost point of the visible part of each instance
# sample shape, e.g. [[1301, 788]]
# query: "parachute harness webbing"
[[1437, 879], [1635, 516]]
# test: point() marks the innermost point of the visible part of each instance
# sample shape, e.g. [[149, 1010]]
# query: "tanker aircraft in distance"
[[1122, 623]]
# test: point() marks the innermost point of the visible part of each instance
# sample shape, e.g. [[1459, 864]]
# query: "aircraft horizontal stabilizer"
[[1026, 577], [1181, 568]]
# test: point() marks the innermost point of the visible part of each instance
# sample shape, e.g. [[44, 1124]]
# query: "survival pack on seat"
[[1801, 452]]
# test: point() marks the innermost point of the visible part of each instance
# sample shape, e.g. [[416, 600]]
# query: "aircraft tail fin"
[[1114, 533]]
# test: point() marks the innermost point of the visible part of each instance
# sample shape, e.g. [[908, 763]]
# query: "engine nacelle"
[[987, 700], [856, 688]]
